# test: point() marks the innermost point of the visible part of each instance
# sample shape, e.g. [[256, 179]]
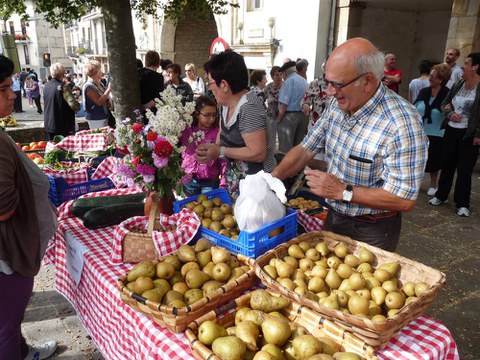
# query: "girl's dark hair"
[[274, 70], [6, 68], [175, 68], [425, 67], [257, 76], [200, 103], [229, 66], [475, 60]]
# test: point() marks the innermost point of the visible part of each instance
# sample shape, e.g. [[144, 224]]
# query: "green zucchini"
[[81, 206], [111, 214]]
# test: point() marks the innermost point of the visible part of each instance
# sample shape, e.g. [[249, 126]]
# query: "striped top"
[[249, 116], [383, 145]]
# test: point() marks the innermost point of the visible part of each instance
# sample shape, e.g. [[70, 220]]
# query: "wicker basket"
[[314, 323], [177, 319], [376, 334]]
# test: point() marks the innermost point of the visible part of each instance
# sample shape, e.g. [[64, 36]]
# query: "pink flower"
[[159, 161], [145, 169]]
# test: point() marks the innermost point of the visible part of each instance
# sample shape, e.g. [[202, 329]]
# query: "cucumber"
[[81, 206], [111, 214]]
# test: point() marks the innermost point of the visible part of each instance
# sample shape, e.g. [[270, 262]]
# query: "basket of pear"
[[264, 326], [180, 287], [366, 290]]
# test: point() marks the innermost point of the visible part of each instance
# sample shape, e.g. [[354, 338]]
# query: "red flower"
[[137, 128], [152, 136], [135, 161], [163, 148]]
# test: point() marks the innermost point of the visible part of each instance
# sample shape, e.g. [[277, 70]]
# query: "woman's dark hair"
[[475, 60], [6, 68], [424, 67], [200, 103], [229, 66], [274, 70], [175, 68], [164, 63], [257, 76]]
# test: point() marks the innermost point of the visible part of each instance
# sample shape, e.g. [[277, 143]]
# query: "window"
[[24, 27], [27, 55], [254, 5], [12, 28], [4, 27]]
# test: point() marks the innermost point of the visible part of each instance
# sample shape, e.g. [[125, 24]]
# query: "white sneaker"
[[436, 201], [463, 211], [431, 191], [42, 352]]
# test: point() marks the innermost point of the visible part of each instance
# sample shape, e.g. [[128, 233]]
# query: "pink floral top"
[[316, 98], [191, 138]]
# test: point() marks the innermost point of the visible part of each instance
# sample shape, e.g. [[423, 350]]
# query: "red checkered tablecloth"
[[77, 173], [122, 333], [85, 141]]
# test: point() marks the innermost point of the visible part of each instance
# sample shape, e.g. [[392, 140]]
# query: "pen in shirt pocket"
[[358, 158]]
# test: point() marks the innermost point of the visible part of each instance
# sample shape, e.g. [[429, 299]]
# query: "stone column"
[[464, 30]]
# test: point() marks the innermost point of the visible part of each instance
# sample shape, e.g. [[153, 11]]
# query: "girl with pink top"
[[201, 178]]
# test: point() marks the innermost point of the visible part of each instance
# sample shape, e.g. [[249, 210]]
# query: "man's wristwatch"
[[222, 152], [347, 194]]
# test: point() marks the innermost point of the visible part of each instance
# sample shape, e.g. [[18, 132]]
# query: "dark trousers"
[[383, 233], [460, 155], [16, 292], [291, 130], [17, 104], [39, 105]]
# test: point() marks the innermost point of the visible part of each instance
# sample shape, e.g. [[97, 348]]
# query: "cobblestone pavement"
[[434, 236]]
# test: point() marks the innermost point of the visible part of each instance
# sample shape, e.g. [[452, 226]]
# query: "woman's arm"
[[255, 149], [96, 98]]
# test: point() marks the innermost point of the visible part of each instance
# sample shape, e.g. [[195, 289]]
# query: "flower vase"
[[163, 205]]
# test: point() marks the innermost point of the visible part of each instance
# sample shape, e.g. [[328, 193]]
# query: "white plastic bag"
[[260, 201]]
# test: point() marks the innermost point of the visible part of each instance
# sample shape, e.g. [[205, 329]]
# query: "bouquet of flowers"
[[153, 159]]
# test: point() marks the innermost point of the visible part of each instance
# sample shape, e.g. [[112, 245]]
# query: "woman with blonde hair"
[[96, 97], [195, 82]]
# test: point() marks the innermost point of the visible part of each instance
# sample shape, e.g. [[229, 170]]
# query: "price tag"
[[75, 252]]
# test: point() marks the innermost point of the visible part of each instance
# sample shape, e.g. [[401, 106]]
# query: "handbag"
[[111, 120]]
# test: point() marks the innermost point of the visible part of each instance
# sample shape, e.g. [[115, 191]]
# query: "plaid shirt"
[[382, 145]]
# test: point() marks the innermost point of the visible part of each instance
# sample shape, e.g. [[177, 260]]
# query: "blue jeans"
[[200, 186]]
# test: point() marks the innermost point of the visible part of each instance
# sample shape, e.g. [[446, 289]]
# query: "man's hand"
[[324, 184]]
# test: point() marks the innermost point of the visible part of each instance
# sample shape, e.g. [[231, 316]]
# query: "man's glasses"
[[339, 86], [208, 115]]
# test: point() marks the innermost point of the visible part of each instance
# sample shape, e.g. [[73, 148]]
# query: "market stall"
[[88, 280]]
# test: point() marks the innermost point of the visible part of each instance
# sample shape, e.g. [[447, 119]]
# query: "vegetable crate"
[[60, 191], [251, 244]]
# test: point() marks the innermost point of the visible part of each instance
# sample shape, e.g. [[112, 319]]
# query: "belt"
[[372, 218]]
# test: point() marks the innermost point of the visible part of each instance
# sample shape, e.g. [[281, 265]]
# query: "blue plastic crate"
[[60, 191], [251, 244]]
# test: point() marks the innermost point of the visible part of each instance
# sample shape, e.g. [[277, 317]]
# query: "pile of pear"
[[337, 279], [263, 332], [186, 276], [215, 215]]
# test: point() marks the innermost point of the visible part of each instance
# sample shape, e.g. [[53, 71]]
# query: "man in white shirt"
[[451, 57]]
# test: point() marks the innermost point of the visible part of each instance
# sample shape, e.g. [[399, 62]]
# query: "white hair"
[[371, 63]]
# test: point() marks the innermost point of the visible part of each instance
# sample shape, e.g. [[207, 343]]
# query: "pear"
[[284, 270], [391, 267], [322, 248], [262, 355], [190, 205], [299, 282], [296, 251], [210, 286], [270, 271], [356, 281], [373, 309], [185, 253], [221, 272], [196, 278], [340, 250], [358, 305], [390, 285], [235, 273], [192, 295], [220, 255], [273, 350], [344, 271], [381, 275], [306, 346], [420, 288], [217, 201], [171, 296], [226, 209], [378, 295], [240, 314], [181, 287], [177, 303], [342, 297], [208, 269], [365, 255], [364, 293], [346, 356], [306, 264], [316, 284], [351, 260], [201, 198], [319, 270], [234, 263], [332, 279], [206, 221], [379, 318], [364, 267], [248, 332], [288, 351], [321, 357], [189, 266], [204, 257], [143, 268], [276, 331], [165, 270], [409, 288], [371, 282], [155, 294], [263, 301], [292, 261], [142, 284], [177, 277], [172, 259], [229, 348], [392, 312], [202, 245], [394, 300], [331, 302], [409, 299], [255, 316], [304, 245], [344, 285], [162, 283], [288, 283], [209, 331], [329, 346], [313, 254], [333, 262]]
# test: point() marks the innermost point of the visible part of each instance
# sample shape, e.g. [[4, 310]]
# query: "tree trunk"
[[121, 57]]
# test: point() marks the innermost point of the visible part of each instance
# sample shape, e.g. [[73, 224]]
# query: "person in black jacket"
[[181, 87], [151, 81], [60, 104]]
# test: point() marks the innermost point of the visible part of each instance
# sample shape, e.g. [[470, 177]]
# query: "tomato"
[[32, 144], [42, 144], [26, 148], [38, 160]]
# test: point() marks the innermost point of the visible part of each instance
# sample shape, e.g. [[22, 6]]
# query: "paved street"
[[435, 236]]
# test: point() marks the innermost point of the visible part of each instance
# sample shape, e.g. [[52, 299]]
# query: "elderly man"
[[292, 122], [451, 57], [375, 146], [392, 76]]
